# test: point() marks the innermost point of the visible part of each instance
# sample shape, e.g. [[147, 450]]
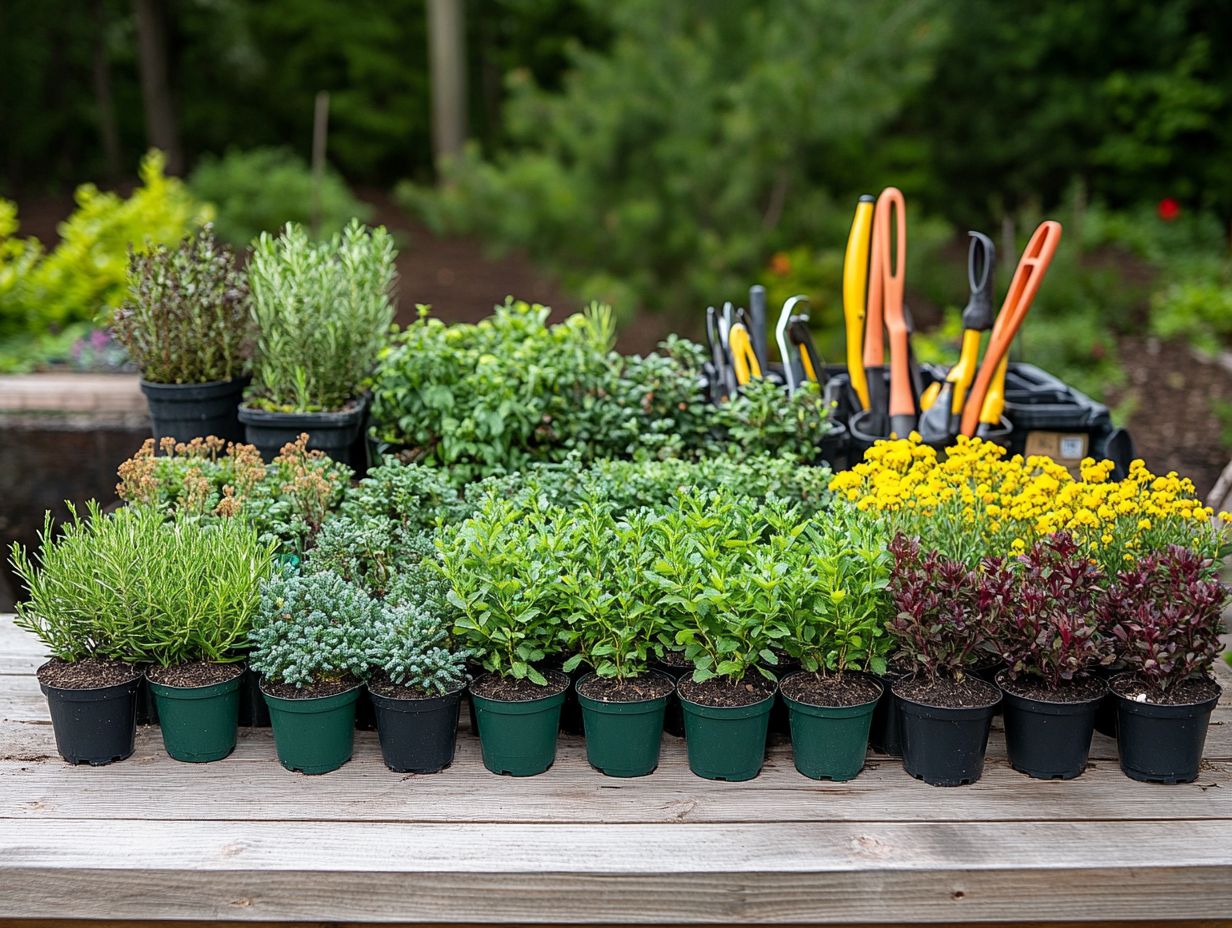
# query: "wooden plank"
[[194, 923], [751, 874], [36, 784]]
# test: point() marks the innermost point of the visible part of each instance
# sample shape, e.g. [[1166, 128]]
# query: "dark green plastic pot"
[[519, 738], [726, 743], [199, 722], [829, 742], [623, 738], [313, 735]]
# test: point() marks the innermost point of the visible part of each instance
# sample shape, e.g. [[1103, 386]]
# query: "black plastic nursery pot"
[[335, 433], [726, 742], [518, 736], [94, 726], [830, 742], [885, 734], [254, 713], [780, 716], [315, 734], [1106, 712], [199, 723], [1160, 743], [417, 734], [945, 746], [673, 717], [623, 738], [147, 711], [185, 411], [1048, 739]]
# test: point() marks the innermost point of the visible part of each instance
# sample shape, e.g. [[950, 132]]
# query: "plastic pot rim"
[[649, 703], [959, 712], [400, 703], [1165, 710], [750, 709], [172, 688], [86, 692], [1059, 704], [288, 701], [516, 702], [833, 711]]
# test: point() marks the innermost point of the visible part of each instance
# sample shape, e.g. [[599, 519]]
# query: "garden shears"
[[984, 404]]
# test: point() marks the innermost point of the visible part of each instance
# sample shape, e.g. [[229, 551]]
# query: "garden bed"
[[244, 840]]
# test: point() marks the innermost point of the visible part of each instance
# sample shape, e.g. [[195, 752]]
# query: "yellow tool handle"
[[994, 399], [744, 358], [855, 286], [963, 373], [807, 363], [929, 396]]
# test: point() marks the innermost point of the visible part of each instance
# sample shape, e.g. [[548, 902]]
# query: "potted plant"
[[718, 589], [610, 626], [1048, 636], [311, 643], [80, 615], [940, 622], [838, 636], [416, 689], [501, 565], [200, 587], [322, 311], [187, 324], [1165, 615]]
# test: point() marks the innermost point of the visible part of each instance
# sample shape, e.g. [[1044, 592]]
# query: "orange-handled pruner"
[[987, 396], [891, 215]]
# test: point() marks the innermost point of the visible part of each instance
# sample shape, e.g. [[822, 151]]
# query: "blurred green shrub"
[[48, 298], [262, 189], [668, 168]]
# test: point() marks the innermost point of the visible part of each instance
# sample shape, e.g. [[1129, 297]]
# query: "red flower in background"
[[780, 265], [1168, 209]]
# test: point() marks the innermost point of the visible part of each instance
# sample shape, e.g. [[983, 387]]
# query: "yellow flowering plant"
[[972, 500]]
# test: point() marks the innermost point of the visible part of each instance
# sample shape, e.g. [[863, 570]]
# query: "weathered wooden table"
[[244, 840]]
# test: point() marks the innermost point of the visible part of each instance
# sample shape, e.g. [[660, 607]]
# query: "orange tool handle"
[[891, 212], [874, 321], [1026, 283]]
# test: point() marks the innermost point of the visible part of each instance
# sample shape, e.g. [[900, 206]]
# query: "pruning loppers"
[[984, 404], [855, 289], [885, 307], [943, 415]]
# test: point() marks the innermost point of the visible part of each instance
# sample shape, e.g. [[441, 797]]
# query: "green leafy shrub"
[[413, 649], [322, 312], [610, 621], [135, 587], [313, 629], [187, 319], [85, 277], [287, 500], [262, 189], [412, 495]]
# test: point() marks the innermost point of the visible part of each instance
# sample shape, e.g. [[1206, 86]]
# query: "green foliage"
[[287, 500], [842, 627], [668, 168], [501, 567], [135, 587], [480, 398], [322, 312], [413, 648], [262, 189], [1197, 309], [187, 319], [496, 396], [85, 276], [413, 496], [313, 629], [610, 621]]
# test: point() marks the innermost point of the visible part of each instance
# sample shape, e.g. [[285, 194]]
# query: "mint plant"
[[1165, 615], [610, 621], [322, 312], [187, 318], [844, 598], [313, 629], [1048, 629], [502, 569]]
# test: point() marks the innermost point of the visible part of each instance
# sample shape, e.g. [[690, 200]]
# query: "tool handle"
[[855, 291], [1026, 283], [757, 323], [891, 213], [981, 265]]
